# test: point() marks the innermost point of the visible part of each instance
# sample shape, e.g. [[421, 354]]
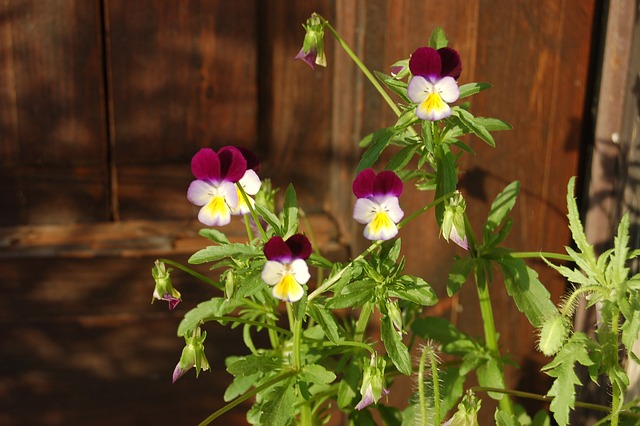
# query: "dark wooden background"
[[103, 103]]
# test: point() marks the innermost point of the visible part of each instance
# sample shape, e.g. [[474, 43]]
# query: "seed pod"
[[553, 334]]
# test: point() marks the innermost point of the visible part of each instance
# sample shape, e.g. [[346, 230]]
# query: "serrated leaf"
[[438, 39], [473, 88], [490, 375], [214, 235], [458, 274], [278, 406], [617, 266], [503, 418], [215, 307], [501, 206], [396, 349], [529, 294], [240, 385], [562, 368], [575, 225], [232, 250], [473, 125], [326, 320], [396, 86], [317, 374], [415, 290], [270, 218], [252, 364], [380, 140]]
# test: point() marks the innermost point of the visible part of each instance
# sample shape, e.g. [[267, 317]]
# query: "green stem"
[[247, 227], [617, 391], [362, 67], [192, 273], [296, 325], [568, 306], [250, 322], [436, 385], [252, 211], [363, 321], [347, 343], [277, 379], [540, 255], [488, 323]]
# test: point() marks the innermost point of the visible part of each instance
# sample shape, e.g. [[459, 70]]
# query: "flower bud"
[[373, 383], [192, 355], [467, 414], [453, 221], [312, 51], [164, 289], [553, 334]]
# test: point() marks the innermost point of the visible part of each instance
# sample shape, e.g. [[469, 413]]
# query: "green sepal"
[[438, 39]]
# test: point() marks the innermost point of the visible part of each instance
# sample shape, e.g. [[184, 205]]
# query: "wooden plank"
[[183, 76], [295, 102], [51, 113]]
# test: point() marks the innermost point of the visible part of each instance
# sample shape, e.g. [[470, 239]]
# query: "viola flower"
[[453, 221], [250, 182], [434, 83], [164, 289], [286, 268], [312, 51], [214, 188], [373, 384], [192, 355], [377, 205]]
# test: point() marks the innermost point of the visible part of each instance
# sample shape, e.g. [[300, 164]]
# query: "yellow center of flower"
[[217, 206], [381, 222], [433, 102], [288, 289]]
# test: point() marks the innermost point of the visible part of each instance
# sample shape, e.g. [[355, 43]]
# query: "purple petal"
[[426, 62], [451, 65], [300, 246], [367, 399], [173, 301], [178, 372], [252, 160], [232, 164], [387, 183], [309, 57], [363, 183], [276, 249], [206, 165]]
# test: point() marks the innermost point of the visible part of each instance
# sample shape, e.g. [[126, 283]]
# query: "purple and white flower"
[[434, 83], [286, 267], [377, 205], [214, 188], [250, 182]]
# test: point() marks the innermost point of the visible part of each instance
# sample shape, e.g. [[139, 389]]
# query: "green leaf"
[[317, 374], [458, 274], [349, 385], [562, 368], [290, 212], [490, 375], [401, 158], [446, 177], [577, 231], [215, 307], [396, 86], [270, 218], [475, 126], [396, 349], [326, 320], [240, 385], [443, 332], [380, 140], [472, 88], [505, 419], [617, 270], [493, 124], [501, 206], [391, 416], [233, 250], [415, 290], [214, 235], [438, 39], [352, 298], [278, 406], [252, 364], [529, 294]]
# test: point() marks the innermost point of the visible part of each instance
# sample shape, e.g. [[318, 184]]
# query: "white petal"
[[381, 228], [300, 271], [364, 211], [418, 89], [448, 89], [272, 272], [433, 108], [229, 192], [250, 182], [215, 213], [200, 192], [391, 205], [288, 289]]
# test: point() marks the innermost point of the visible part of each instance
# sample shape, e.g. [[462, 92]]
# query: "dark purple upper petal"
[[425, 62], [363, 183], [206, 165], [300, 246], [277, 249], [451, 65], [252, 160], [232, 164], [387, 183]]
